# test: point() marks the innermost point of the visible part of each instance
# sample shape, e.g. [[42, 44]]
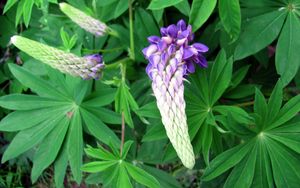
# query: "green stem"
[[112, 32], [250, 103], [102, 50], [117, 64], [132, 55]]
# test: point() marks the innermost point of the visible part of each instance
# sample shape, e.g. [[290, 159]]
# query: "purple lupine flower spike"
[[171, 57]]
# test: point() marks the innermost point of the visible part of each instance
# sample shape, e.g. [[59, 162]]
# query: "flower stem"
[[132, 55], [102, 50], [117, 64], [245, 104]]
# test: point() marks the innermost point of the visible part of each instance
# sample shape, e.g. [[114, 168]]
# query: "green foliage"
[[271, 154], [200, 12], [119, 171], [243, 124], [54, 120]]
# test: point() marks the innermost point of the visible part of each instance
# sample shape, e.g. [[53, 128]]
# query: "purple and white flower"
[[171, 57]]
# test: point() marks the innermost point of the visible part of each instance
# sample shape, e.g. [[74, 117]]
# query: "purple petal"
[[154, 60], [184, 34], [148, 70], [162, 45], [173, 64], [164, 58], [149, 50], [181, 25], [191, 36], [201, 61], [172, 30], [171, 49], [200, 47], [163, 31], [187, 53], [190, 67], [95, 58], [153, 39], [167, 39]]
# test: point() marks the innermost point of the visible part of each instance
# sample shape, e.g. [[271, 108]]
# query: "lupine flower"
[[87, 67], [171, 58], [85, 21]]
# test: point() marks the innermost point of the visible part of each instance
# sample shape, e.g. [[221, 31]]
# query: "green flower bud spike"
[[85, 21], [87, 67]]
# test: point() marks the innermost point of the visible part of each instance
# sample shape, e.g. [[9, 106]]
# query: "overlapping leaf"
[[53, 120], [270, 154]]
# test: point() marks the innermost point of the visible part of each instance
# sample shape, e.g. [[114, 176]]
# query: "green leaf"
[[242, 174], [100, 98], [8, 5], [27, 9], [123, 102], [263, 176], [200, 12], [155, 131], [226, 160], [123, 178], [126, 148], [239, 75], [75, 146], [100, 153], [184, 7], [106, 115], [207, 137], [288, 111], [230, 15], [259, 32], [237, 113], [241, 91], [160, 4], [274, 102], [287, 60], [35, 83], [98, 129], [60, 166], [166, 180], [149, 110], [144, 25], [220, 76], [15, 120], [260, 106], [97, 166], [48, 149], [28, 102], [158, 14], [141, 176], [28, 138], [286, 164], [19, 12], [121, 7]]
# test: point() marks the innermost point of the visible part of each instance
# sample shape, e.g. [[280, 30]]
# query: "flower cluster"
[[171, 57], [175, 38], [86, 22], [87, 67]]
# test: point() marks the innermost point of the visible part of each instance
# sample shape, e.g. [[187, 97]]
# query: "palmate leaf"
[[287, 61], [53, 120], [117, 171], [204, 90], [265, 21], [271, 154]]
